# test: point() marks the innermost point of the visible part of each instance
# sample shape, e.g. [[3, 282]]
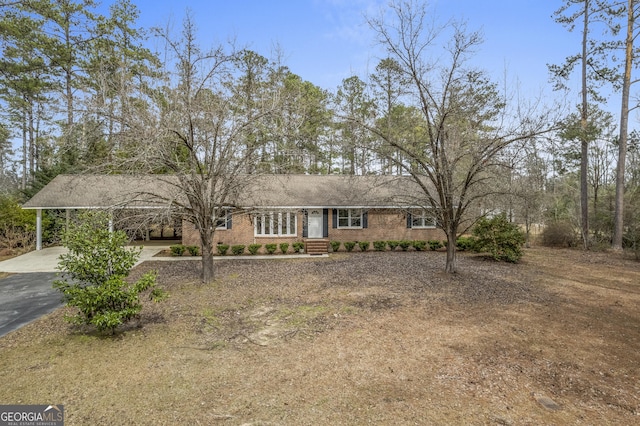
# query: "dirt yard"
[[361, 338]]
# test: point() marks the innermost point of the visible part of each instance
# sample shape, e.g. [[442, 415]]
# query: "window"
[[276, 224], [224, 222], [350, 218], [422, 219]]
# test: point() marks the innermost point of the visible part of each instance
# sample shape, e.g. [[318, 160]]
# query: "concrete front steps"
[[316, 246]]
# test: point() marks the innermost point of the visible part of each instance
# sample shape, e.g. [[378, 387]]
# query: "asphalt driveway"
[[26, 297], [27, 294]]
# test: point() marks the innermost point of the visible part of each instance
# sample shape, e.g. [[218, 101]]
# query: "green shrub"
[[500, 238], [393, 244], [253, 248], [349, 245], [222, 249], [335, 245], [380, 245], [284, 248], [419, 245], [270, 248], [298, 247], [238, 249], [364, 245], [94, 272], [465, 243], [434, 244], [177, 250], [404, 245], [193, 250]]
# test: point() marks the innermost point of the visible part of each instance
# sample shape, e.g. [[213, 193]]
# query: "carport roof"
[[263, 191], [100, 192]]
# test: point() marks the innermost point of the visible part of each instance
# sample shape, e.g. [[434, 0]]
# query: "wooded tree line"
[[81, 91]]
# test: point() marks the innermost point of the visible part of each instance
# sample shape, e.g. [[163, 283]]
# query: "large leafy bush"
[[500, 238], [94, 272]]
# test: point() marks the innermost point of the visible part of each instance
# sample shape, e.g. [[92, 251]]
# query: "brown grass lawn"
[[380, 338]]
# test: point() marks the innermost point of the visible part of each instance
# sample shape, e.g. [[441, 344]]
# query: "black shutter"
[[365, 219], [325, 223], [334, 218], [229, 220], [305, 224], [409, 220]]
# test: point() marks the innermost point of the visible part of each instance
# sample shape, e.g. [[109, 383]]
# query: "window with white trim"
[[349, 218], [422, 218], [222, 222], [276, 224]]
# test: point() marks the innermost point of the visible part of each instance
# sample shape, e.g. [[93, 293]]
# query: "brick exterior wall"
[[383, 224], [241, 232]]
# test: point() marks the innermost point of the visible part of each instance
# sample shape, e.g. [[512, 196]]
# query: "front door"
[[315, 224]]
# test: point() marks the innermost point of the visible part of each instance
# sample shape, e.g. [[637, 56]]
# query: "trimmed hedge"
[[238, 249], [349, 245], [380, 245], [177, 250]]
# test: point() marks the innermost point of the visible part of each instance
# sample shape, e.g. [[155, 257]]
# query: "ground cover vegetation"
[[84, 93], [356, 338]]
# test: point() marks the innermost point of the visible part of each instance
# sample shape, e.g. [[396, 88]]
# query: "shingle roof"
[[98, 191], [107, 191]]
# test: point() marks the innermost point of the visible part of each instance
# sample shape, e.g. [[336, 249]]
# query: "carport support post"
[[38, 229]]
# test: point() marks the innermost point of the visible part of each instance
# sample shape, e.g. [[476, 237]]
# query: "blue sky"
[[325, 41]]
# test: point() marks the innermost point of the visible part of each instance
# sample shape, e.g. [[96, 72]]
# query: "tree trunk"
[[584, 151], [25, 152], [68, 70], [32, 142], [624, 123], [451, 266], [584, 194], [208, 268]]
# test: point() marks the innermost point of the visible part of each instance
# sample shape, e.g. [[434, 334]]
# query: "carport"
[[108, 193]]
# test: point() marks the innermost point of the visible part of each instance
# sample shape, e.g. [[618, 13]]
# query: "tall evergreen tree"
[[389, 86], [631, 32], [352, 100], [594, 72]]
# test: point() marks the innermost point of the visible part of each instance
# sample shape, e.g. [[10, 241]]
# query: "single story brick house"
[[314, 209]]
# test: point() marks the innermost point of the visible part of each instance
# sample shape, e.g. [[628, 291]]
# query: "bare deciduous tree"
[[199, 140], [466, 120]]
